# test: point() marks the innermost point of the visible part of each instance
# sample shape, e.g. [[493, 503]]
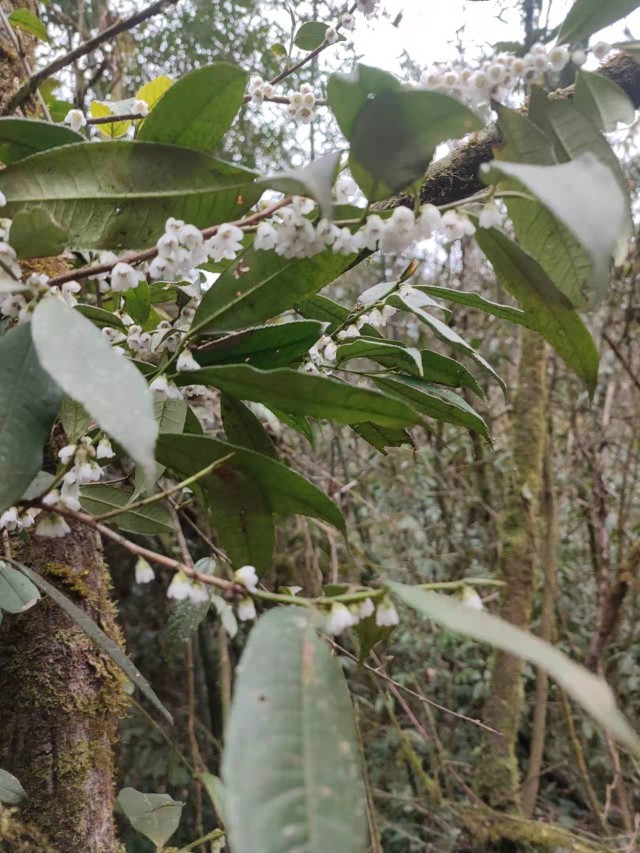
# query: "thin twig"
[[623, 361], [86, 47]]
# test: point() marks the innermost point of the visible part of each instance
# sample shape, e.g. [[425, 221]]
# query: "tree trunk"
[[60, 696], [497, 774]]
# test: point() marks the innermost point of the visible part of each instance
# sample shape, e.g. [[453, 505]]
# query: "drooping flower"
[[246, 610], [104, 449], [339, 619], [247, 576], [491, 216], [367, 608], [180, 587], [144, 572], [52, 527], [386, 614], [76, 120], [471, 599], [140, 108], [124, 277]]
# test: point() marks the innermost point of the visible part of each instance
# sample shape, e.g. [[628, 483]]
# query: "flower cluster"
[[341, 617], [301, 104], [503, 72], [13, 521], [183, 588], [260, 89]]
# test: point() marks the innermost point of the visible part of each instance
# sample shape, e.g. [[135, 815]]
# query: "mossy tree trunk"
[[497, 777], [60, 696]]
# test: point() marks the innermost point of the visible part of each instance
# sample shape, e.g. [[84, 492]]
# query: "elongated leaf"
[[443, 370], [75, 420], [98, 636], [101, 318], [391, 354], [22, 137], [119, 194], [589, 690], [287, 492], [80, 360], [184, 618], [315, 181], [475, 300], [347, 93], [11, 791], [17, 593], [586, 197], [215, 789], [295, 783], [382, 437], [302, 394], [29, 22], [29, 401], [395, 135], [588, 16], [261, 285], [137, 303], [156, 816], [262, 346], [198, 109], [242, 427], [324, 309], [434, 402], [548, 311], [602, 101], [99, 499]]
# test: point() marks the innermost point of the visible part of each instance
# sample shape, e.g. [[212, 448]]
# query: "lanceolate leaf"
[[391, 354], [587, 689], [99, 499], [242, 427], [302, 394], [434, 402], [287, 492], [198, 109], [263, 346], [21, 137], [78, 357], [295, 783], [474, 300], [11, 791], [382, 437], [588, 16], [17, 593], [29, 22], [29, 401], [261, 285], [602, 101], [395, 135], [548, 311], [157, 816], [97, 635], [119, 194]]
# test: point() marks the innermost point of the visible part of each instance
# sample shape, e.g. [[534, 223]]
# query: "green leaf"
[[443, 370], [347, 93], [547, 310], [170, 414], [315, 181], [475, 300], [298, 423], [137, 303], [119, 194], [391, 354], [311, 35], [242, 427], [434, 402], [587, 689], [11, 791], [28, 22], [184, 619], [287, 492], [17, 593], [585, 196], [114, 129], [279, 50], [152, 519], [153, 90], [100, 317], [29, 401], [382, 437], [40, 484], [79, 358], [198, 109], [276, 345], [156, 816], [324, 309], [75, 420], [300, 393], [52, 237], [108, 646], [242, 516], [295, 783], [588, 16], [215, 789], [22, 137], [261, 285], [368, 635], [395, 135], [602, 101]]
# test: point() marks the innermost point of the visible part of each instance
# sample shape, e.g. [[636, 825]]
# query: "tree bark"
[[497, 775]]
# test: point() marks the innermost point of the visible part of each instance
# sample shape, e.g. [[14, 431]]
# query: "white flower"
[[226, 243], [348, 21], [601, 49], [199, 593], [144, 572], [67, 453], [428, 221], [140, 108], [50, 499], [168, 244], [247, 576], [180, 587], [387, 313], [160, 268], [339, 618], [367, 608], [343, 244], [345, 189], [104, 449], [173, 225], [327, 232], [75, 119], [190, 237], [330, 352], [376, 318], [471, 599], [491, 216], [367, 6], [125, 277], [68, 290], [305, 115], [52, 527], [455, 226], [186, 362], [88, 472], [559, 58], [386, 614], [579, 57], [266, 237], [350, 332], [9, 519], [246, 610], [3, 199], [27, 519], [331, 35], [70, 495], [371, 232]]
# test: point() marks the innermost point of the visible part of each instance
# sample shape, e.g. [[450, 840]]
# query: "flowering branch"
[[88, 46]]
